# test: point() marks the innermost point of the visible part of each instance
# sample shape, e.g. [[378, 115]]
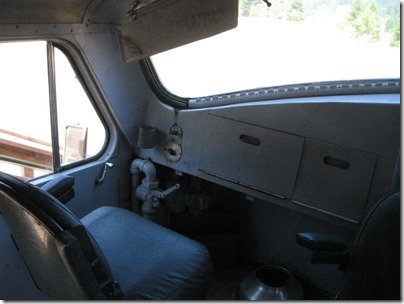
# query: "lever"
[[151, 200], [164, 194], [100, 179]]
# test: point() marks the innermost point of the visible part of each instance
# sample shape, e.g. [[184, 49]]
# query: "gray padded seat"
[[152, 262], [112, 253]]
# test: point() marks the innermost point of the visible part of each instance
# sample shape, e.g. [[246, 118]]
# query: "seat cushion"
[[148, 260]]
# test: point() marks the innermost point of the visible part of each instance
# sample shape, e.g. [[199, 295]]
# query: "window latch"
[[100, 179]]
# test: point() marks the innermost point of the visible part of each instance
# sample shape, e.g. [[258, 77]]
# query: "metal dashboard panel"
[[334, 179], [260, 158]]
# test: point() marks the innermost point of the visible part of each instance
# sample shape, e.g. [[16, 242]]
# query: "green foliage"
[[395, 33], [259, 10], [390, 24], [365, 19], [389, 8], [296, 11], [245, 6]]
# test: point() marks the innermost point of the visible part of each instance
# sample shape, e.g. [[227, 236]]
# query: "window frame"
[[76, 62], [91, 89], [158, 88]]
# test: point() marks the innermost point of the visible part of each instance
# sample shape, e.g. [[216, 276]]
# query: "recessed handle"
[[336, 162], [251, 140]]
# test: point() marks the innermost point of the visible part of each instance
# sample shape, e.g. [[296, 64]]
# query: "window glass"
[[26, 140], [81, 133], [25, 136], [289, 42]]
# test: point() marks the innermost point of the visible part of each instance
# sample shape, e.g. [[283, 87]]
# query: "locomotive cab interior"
[[200, 150]]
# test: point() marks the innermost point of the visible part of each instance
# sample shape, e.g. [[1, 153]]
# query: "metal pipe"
[[139, 166], [144, 166]]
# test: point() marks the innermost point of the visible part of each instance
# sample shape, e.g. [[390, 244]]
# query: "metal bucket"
[[270, 283]]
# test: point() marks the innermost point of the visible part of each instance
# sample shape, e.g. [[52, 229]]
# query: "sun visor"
[[166, 24]]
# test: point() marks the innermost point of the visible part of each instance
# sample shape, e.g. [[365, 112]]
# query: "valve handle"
[[165, 193]]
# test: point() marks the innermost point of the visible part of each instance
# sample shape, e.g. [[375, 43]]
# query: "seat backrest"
[[62, 257], [373, 270]]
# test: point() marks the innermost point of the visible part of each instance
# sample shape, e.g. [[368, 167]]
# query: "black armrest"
[[326, 249], [319, 241], [61, 188]]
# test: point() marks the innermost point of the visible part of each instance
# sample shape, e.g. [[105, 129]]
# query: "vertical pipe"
[[141, 166]]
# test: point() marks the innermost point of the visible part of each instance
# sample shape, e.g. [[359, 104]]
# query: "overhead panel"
[[166, 24], [42, 11]]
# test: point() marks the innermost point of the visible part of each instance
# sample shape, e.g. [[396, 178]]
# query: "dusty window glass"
[[27, 143], [290, 42]]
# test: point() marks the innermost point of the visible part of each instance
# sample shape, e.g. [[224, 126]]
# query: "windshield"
[[288, 42]]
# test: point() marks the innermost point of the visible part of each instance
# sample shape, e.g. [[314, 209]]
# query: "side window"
[[46, 119], [81, 133]]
